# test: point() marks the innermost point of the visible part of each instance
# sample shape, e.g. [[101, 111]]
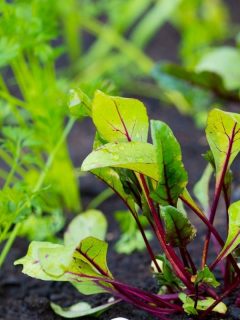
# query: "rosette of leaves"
[[151, 180]]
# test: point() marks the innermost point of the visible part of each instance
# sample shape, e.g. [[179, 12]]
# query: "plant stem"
[[218, 189], [9, 243], [213, 231], [149, 249], [168, 250], [98, 200], [234, 285], [13, 168]]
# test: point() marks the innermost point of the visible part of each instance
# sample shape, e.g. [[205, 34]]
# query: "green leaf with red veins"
[[94, 252], [119, 119], [137, 156], [179, 230], [233, 238], [223, 135], [48, 261], [173, 176]]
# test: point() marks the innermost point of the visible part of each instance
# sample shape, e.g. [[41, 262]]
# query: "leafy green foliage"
[[119, 119], [173, 176], [179, 230], [81, 253], [137, 156], [206, 276], [188, 305], [139, 172]]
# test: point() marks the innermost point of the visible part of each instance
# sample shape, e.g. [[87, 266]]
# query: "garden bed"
[[23, 298]]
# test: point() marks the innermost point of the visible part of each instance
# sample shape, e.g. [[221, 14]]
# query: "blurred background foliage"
[[48, 47]]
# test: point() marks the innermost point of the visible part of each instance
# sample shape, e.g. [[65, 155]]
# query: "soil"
[[24, 298]]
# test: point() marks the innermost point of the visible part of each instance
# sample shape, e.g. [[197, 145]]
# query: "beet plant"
[[152, 181]]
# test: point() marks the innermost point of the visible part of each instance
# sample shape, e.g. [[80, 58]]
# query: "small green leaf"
[[188, 305], [81, 309], [173, 176], [136, 156], [79, 104], [233, 238], [118, 119], [179, 230], [201, 188], [84, 225], [206, 276], [94, 252], [223, 133]]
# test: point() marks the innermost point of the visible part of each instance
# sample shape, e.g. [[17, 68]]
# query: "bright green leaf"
[[31, 262], [188, 305], [173, 176], [47, 261], [206, 276], [94, 252], [136, 156], [55, 260], [118, 119], [223, 135], [179, 230]]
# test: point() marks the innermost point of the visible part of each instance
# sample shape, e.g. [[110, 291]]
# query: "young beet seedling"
[[151, 180]]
